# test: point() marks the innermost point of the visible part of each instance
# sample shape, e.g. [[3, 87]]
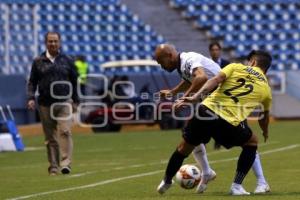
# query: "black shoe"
[[66, 170]]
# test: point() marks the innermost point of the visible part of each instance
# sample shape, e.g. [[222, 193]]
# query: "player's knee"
[[253, 141], [198, 150], [185, 148]]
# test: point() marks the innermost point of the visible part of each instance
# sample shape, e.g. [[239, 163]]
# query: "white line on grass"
[[112, 163], [280, 149], [261, 153], [88, 186], [165, 161], [227, 150], [81, 174], [136, 176]]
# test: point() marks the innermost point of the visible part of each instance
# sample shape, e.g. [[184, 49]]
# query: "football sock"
[[174, 164], [258, 171], [200, 156], [245, 162]]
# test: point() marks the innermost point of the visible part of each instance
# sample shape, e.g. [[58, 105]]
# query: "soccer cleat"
[[163, 186], [65, 170], [262, 189], [205, 178], [238, 190]]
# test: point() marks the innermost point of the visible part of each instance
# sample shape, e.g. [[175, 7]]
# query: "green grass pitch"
[[131, 165]]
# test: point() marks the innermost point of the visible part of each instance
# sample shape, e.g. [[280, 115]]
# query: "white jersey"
[[189, 61]]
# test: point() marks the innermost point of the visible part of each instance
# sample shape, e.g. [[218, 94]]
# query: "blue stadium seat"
[[103, 30], [244, 24]]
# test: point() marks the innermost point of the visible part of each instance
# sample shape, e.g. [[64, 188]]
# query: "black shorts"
[[207, 125]]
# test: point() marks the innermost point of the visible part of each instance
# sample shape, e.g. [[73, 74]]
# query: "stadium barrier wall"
[[13, 93], [293, 83]]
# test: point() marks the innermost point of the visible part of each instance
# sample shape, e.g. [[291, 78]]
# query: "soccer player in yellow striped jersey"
[[245, 88], [221, 115]]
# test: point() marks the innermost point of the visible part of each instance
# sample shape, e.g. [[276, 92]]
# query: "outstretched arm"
[[209, 86], [182, 86], [199, 79]]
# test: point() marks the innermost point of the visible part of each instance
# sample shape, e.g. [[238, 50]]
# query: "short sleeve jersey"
[[190, 61], [244, 89]]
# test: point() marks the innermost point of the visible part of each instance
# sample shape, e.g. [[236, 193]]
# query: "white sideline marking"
[[89, 185], [260, 153], [115, 163], [81, 174], [227, 150], [280, 149], [166, 161], [137, 176]]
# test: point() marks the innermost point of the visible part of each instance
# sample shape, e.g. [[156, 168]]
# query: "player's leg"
[[183, 150], [241, 135], [200, 157], [205, 127], [261, 186], [244, 164], [261, 183], [186, 146], [207, 174]]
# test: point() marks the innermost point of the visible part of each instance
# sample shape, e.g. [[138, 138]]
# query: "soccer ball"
[[188, 176]]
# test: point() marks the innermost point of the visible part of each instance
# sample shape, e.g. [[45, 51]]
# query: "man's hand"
[[264, 123], [183, 101], [165, 94], [178, 104], [31, 104], [266, 136], [191, 99]]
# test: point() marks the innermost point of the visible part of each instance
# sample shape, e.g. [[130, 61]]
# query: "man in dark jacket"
[[215, 51], [56, 78]]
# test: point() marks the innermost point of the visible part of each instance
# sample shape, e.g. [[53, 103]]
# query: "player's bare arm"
[[210, 86], [264, 124], [199, 79], [205, 90], [181, 87]]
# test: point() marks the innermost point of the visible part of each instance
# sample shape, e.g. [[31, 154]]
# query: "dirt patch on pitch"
[[36, 129]]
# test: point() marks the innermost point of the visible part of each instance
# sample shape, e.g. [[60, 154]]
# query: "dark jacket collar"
[[44, 57]]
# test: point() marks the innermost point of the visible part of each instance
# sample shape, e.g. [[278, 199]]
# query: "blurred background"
[[101, 31]]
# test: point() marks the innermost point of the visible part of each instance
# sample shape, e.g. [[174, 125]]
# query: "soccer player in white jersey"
[[195, 69]]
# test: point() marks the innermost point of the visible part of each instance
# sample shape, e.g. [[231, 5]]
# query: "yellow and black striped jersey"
[[244, 89]]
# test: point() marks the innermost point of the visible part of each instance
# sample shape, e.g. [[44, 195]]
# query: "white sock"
[[200, 156], [236, 185], [258, 171]]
